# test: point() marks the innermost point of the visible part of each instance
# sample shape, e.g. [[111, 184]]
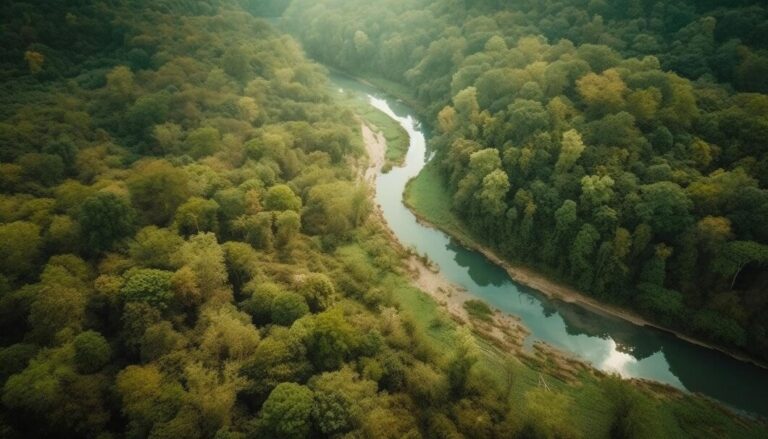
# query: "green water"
[[608, 343]]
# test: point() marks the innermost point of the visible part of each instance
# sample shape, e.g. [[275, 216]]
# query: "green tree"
[[280, 197], [92, 352], [154, 247], [581, 255], [286, 412], [288, 307], [318, 290], [570, 150], [738, 254], [157, 189], [197, 215], [105, 218], [280, 357], [202, 142], [330, 339], [665, 206], [493, 193], [150, 286], [21, 245], [288, 225]]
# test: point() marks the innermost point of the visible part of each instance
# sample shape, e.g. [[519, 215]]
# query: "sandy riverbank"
[[376, 147]]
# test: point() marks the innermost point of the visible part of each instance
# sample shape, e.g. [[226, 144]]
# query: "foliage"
[[479, 310], [92, 352], [561, 126], [105, 218], [187, 250], [286, 413], [148, 285]]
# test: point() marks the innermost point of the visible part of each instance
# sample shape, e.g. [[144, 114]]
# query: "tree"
[[213, 393], [47, 169], [35, 61], [228, 335], [288, 225], [280, 197], [481, 163], [202, 142], [57, 312], [330, 339], [157, 189], [167, 136], [259, 304], [570, 150], [160, 339], [288, 307], [460, 366], [256, 230], [120, 83], [596, 190], [150, 286], [242, 263], [493, 193], [340, 397], [665, 206], [148, 398], [92, 352], [581, 255], [105, 218], [148, 111], [318, 290], [21, 246], [603, 93], [205, 257], [280, 357], [197, 215], [154, 247], [738, 254], [286, 412]]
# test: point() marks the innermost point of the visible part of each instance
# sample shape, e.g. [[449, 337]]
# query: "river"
[[609, 344]]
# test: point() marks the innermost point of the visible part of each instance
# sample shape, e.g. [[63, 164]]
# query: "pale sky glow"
[[616, 361]]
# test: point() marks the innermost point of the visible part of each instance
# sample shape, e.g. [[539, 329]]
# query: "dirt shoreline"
[[558, 291]]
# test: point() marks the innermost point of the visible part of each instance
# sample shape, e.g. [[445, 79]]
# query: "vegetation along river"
[[608, 343]]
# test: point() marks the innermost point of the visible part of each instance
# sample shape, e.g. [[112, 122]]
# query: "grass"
[[396, 136], [428, 196], [479, 310]]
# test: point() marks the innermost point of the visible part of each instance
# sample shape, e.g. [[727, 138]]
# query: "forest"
[[618, 146], [187, 250]]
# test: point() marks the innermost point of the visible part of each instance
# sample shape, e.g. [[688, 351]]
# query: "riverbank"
[[432, 208], [503, 329]]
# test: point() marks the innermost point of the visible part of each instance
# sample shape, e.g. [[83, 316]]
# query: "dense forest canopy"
[[187, 250], [620, 146]]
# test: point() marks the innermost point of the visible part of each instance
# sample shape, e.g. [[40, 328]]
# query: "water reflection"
[[476, 266], [609, 343]]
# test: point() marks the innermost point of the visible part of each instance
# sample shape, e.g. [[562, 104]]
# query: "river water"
[[608, 343]]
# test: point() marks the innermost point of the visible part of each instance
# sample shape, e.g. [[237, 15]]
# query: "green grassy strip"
[[396, 136]]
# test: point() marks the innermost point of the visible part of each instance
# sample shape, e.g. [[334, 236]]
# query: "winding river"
[[608, 343]]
